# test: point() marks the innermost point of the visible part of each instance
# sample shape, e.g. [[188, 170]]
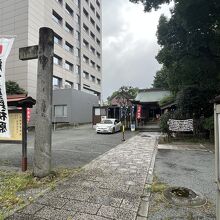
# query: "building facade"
[[77, 25]]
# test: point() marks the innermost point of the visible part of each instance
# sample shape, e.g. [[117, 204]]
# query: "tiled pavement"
[[114, 186]]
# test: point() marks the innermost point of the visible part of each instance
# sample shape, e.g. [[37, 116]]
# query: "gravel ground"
[[193, 169]]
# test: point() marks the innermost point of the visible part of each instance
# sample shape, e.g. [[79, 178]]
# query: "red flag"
[[1, 48]]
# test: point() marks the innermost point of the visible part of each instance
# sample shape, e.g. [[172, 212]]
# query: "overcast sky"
[[129, 45]]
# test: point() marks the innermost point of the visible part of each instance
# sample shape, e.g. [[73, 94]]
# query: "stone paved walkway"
[[110, 187]]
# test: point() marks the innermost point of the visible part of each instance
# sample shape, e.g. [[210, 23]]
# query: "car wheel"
[[113, 130]]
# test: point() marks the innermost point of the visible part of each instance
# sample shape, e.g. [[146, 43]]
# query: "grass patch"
[[157, 187], [11, 183]]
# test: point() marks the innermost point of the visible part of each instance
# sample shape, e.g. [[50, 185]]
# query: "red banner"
[[28, 115], [1, 48], [139, 111]]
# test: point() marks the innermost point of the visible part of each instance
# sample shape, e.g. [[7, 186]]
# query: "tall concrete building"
[[78, 41]]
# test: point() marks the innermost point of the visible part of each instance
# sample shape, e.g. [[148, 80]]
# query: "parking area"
[[71, 147]]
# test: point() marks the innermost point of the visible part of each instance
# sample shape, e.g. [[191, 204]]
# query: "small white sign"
[[180, 125]]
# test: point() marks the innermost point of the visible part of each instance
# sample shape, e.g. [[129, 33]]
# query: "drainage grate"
[[181, 196]]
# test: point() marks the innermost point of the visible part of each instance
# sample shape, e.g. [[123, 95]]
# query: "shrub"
[[13, 88], [163, 122]]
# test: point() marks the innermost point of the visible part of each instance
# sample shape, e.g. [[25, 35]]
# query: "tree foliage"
[[161, 79], [13, 88], [194, 102], [190, 52], [150, 4], [123, 91]]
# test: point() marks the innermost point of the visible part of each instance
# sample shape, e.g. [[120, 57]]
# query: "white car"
[[108, 125]]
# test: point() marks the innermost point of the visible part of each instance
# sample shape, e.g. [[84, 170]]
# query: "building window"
[[68, 84], [68, 28], [98, 41], [98, 68], [57, 60], [92, 49], [69, 10], [68, 47], [92, 63], [57, 82], [85, 59], [85, 75], [98, 3], [85, 28], [60, 110], [59, 1], [92, 78], [98, 28], [92, 21], [77, 35], [57, 39], [77, 52], [85, 43], [98, 16], [98, 55], [77, 69], [85, 13], [98, 81], [68, 66], [92, 7], [92, 35], [57, 18]]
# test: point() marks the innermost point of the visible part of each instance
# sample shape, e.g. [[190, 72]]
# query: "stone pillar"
[[218, 205], [43, 125]]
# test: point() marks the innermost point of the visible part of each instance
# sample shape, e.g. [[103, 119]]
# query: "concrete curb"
[[144, 204]]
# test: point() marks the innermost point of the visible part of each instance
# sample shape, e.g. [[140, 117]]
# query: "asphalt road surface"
[[193, 169], [71, 147]]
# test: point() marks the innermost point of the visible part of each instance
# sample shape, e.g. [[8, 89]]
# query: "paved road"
[[193, 169], [109, 188], [73, 147]]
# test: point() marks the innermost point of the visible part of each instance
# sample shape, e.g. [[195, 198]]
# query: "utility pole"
[[43, 126]]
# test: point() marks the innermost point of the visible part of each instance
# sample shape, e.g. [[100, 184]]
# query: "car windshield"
[[107, 122]]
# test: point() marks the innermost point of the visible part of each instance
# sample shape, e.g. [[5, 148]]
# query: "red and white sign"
[[28, 115], [5, 48], [139, 111], [1, 48]]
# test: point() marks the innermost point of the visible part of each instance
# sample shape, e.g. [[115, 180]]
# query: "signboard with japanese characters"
[[5, 48], [180, 125], [139, 110], [15, 126]]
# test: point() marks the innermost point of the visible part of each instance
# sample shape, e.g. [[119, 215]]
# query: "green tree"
[[161, 79], [150, 4], [190, 42], [13, 88], [124, 91], [193, 102]]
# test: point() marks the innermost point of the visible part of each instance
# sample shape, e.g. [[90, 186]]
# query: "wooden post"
[[24, 139], [43, 126]]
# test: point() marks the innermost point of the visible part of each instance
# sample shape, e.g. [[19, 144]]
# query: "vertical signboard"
[[218, 151], [15, 123], [139, 109], [5, 48]]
